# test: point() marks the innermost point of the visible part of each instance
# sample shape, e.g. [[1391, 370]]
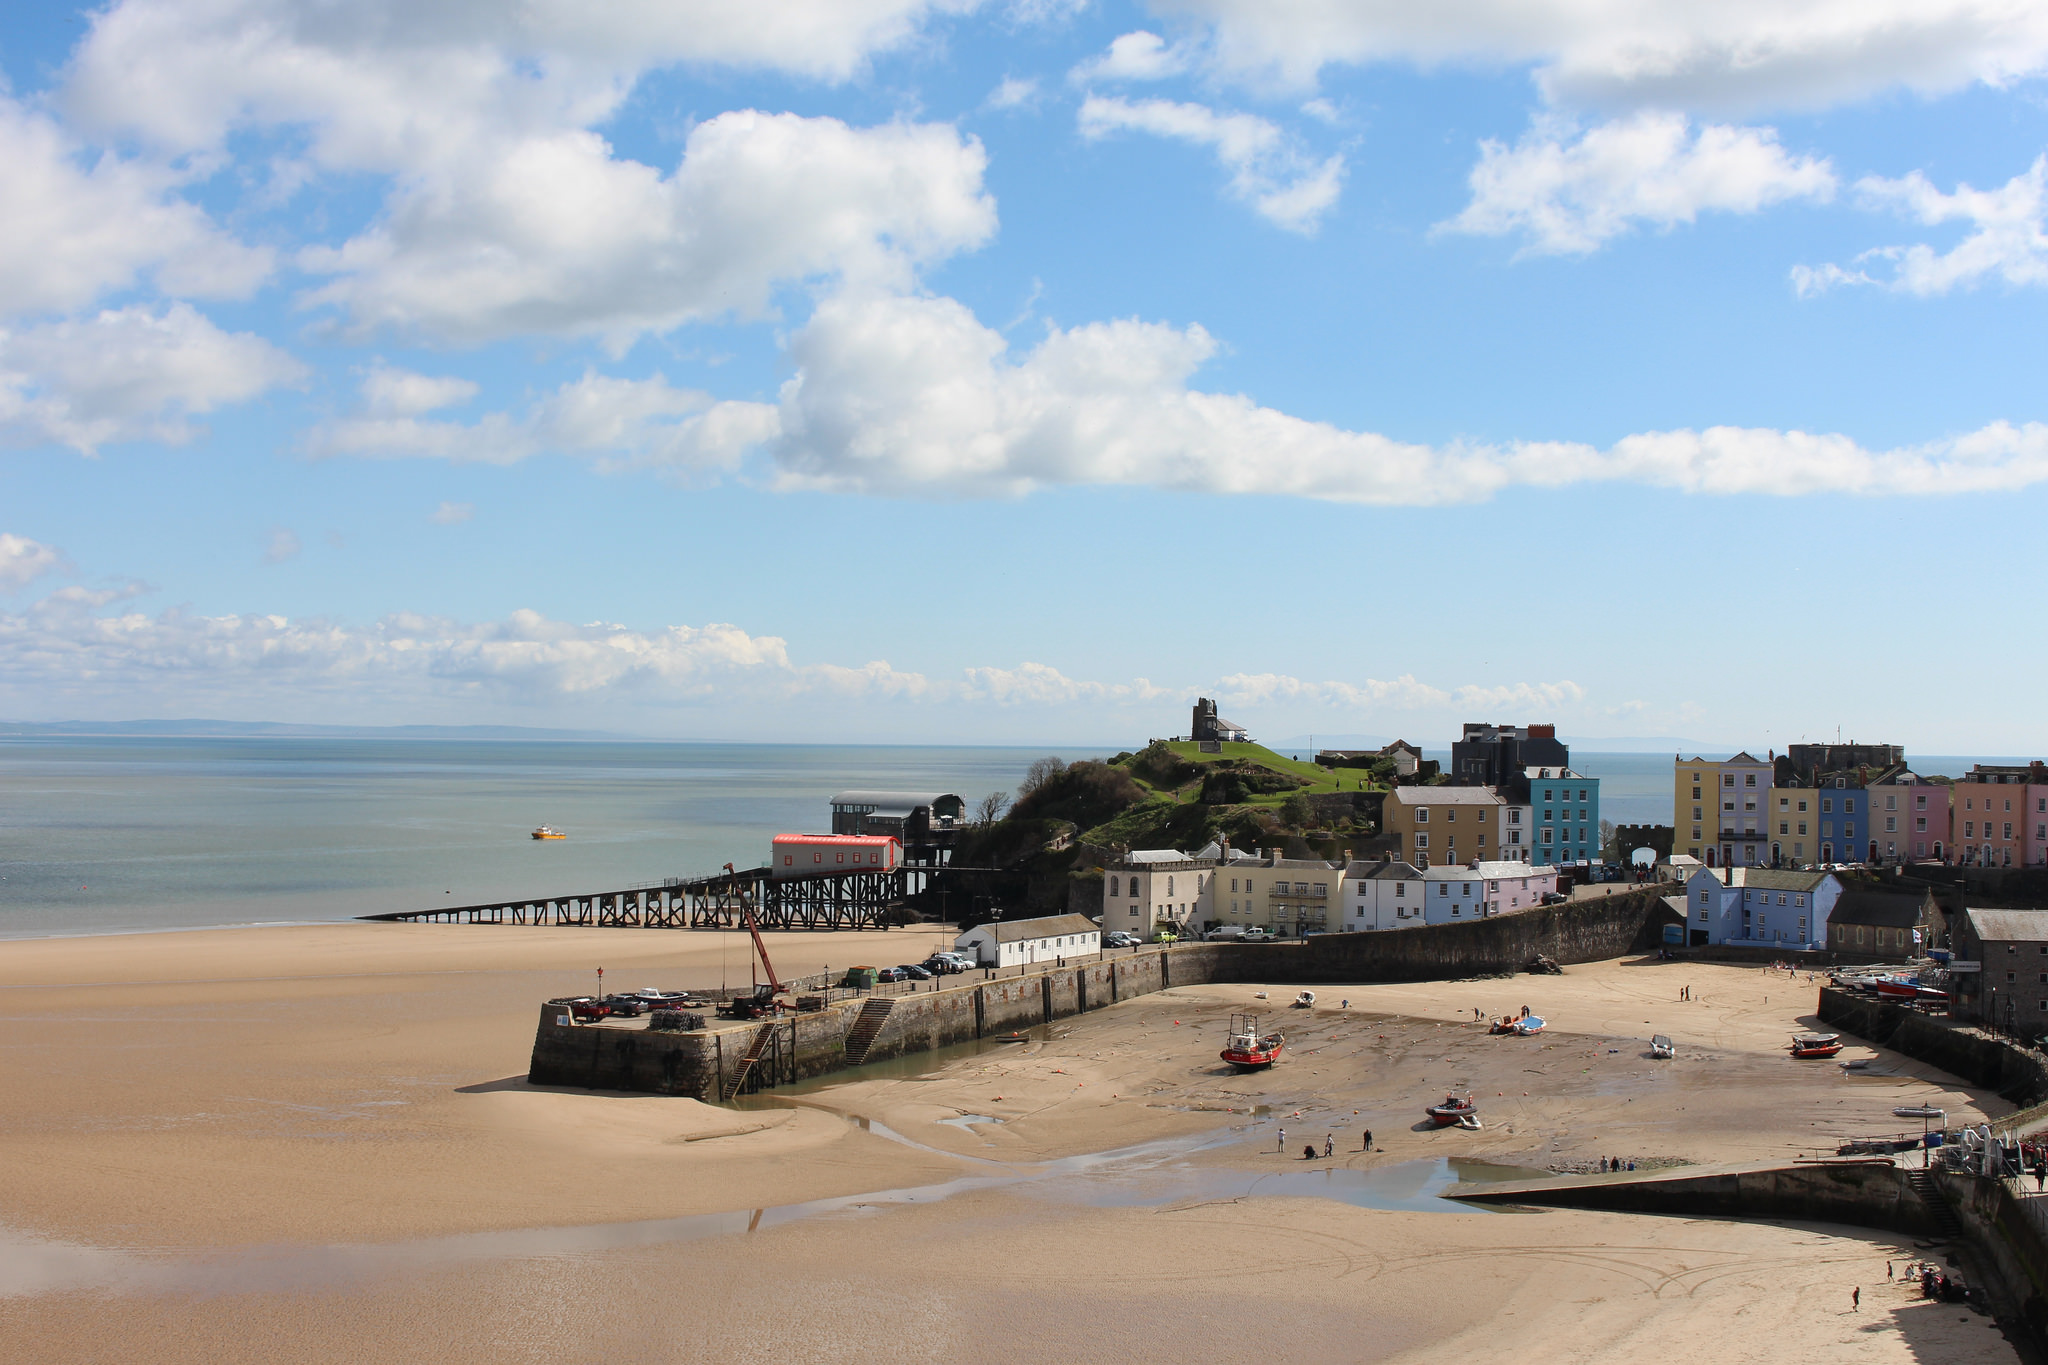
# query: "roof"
[[1485, 872], [1445, 796], [1681, 860], [1999, 926], [1556, 774], [1746, 757], [894, 802], [1888, 909], [1302, 864], [1380, 870], [1051, 926], [844, 840], [1785, 879], [1157, 855]]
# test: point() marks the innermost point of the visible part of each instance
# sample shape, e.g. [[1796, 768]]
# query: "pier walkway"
[[834, 900]]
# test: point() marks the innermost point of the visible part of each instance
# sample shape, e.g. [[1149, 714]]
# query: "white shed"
[[1012, 943]]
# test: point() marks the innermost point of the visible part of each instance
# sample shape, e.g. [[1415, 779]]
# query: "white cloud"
[[453, 513], [389, 392], [506, 212], [128, 374], [1014, 92], [1574, 194], [22, 561], [898, 395], [1404, 693], [2008, 240], [1726, 56], [91, 643], [553, 234], [77, 226], [284, 544], [617, 423], [1267, 169], [1139, 56]]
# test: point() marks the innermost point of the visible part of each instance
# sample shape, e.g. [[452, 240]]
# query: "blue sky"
[[924, 369]]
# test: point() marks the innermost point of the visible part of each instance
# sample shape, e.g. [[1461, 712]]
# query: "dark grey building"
[[1499, 755], [2000, 968]]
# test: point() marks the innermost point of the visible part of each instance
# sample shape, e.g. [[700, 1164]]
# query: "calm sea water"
[[108, 835]]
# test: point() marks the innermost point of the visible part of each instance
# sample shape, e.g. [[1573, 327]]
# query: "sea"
[[130, 834]]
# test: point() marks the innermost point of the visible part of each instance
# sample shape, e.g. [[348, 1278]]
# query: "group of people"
[[1615, 1163]]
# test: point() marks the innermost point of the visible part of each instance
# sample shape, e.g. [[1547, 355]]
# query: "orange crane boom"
[[754, 929]]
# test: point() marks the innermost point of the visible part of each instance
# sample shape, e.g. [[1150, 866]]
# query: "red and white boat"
[[1816, 1044], [1248, 1049], [1452, 1110]]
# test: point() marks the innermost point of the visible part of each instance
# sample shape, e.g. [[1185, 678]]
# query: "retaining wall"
[[2019, 1074], [1872, 1194]]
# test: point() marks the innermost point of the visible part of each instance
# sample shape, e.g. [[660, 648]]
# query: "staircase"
[[873, 1014], [745, 1066], [1944, 1217]]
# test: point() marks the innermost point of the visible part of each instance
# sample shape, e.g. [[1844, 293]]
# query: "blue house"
[[1565, 810], [1759, 907], [1845, 822]]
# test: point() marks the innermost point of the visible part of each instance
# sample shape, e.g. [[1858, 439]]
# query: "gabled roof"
[[1886, 909], [1746, 757], [2003, 926], [1301, 865], [1379, 870], [1445, 796], [1784, 879], [1051, 926]]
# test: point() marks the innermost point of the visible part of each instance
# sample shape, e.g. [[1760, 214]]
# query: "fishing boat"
[[1660, 1046], [1920, 1111], [1897, 988], [1805, 1045], [1306, 1000], [549, 832], [1452, 1110], [1248, 1049]]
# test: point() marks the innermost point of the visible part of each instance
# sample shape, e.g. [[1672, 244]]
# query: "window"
[[1727, 779], [1582, 794], [1727, 805], [1451, 814], [1784, 827], [1969, 829], [1233, 885], [1515, 815], [1301, 888], [1703, 900], [787, 860], [1493, 887], [1443, 888], [1422, 815], [2008, 829], [1400, 890], [1781, 898], [1464, 889], [1695, 790], [1112, 888], [817, 857], [1546, 794], [1848, 805], [1920, 825], [1169, 886], [1749, 779], [1891, 824], [1784, 804], [1799, 900], [1827, 804], [1802, 805]]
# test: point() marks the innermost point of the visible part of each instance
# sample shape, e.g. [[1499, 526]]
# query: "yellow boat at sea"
[[549, 832]]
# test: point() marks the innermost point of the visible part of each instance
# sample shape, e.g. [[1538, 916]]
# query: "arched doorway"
[[1827, 853], [1710, 857], [1777, 854]]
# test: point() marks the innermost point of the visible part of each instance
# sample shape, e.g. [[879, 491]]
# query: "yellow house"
[[1794, 840], [1436, 826], [1695, 820]]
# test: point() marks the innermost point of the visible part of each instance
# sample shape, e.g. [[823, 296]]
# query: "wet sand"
[[317, 1144]]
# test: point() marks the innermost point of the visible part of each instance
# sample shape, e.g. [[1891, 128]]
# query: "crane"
[[765, 999]]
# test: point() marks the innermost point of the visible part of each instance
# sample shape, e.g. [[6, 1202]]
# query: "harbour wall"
[[1873, 1194], [1983, 1059], [2011, 1230], [696, 1063]]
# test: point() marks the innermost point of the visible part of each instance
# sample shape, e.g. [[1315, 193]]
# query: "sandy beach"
[[316, 1143]]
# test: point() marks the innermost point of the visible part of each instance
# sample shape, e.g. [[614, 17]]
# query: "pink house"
[[1909, 818], [1999, 815]]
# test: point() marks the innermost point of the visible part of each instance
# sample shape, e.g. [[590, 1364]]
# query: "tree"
[[1040, 773], [1607, 846], [1296, 811], [991, 808]]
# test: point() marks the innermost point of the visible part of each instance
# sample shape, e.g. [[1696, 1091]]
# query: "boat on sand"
[[1453, 1111], [1808, 1045], [1248, 1049]]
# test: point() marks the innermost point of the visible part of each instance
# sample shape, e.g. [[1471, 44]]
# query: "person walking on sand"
[[1283, 1141], [1856, 1299], [1329, 1144]]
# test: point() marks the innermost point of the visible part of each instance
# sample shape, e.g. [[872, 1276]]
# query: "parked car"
[[628, 1006], [1119, 938], [583, 1008], [940, 965], [914, 972], [1258, 934], [1555, 898], [1224, 931], [892, 974], [1166, 936]]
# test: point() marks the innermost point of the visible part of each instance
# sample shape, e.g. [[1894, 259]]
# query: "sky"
[[1018, 371]]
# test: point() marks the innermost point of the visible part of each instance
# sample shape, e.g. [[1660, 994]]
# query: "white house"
[[1452, 895], [1150, 889], [1759, 906], [1381, 894], [1017, 942]]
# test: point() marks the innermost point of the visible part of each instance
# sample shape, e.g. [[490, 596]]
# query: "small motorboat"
[[1306, 1000], [1248, 1049], [1920, 1111], [1528, 1024], [1854, 1063], [549, 832], [1453, 1110], [1660, 1046], [1808, 1045]]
